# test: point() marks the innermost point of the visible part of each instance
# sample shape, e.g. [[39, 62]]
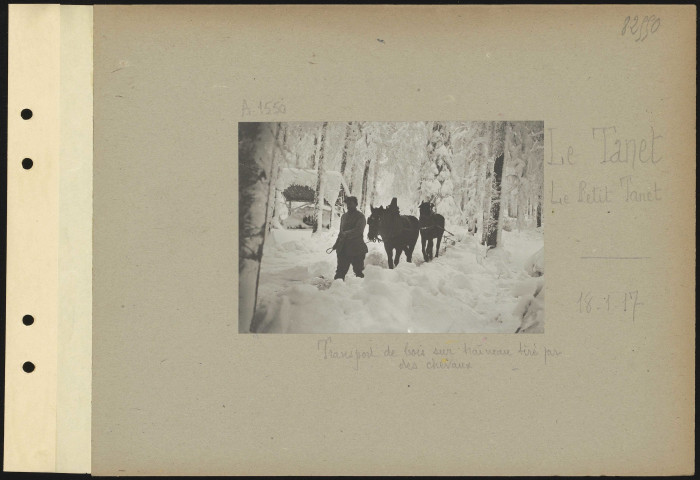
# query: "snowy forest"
[[485, 178]]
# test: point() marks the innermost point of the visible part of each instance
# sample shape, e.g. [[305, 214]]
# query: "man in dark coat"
[[393, 207], [350, 246]]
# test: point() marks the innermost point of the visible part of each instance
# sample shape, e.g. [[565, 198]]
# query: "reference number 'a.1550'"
[[270, 107]]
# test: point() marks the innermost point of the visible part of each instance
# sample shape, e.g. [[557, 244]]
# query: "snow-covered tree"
[[505, 185], [348, 145], [321, 170], [450, 163], [469, 141], [256, 144], [356, 141], [524, 173], [436, 184], [369, 163], [375, 177], [492, 191], [400, 165], [277, 164]]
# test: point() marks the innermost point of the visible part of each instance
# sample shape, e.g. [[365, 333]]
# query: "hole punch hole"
[[27, 163], [27, 320], [26, 114], [28, 367]]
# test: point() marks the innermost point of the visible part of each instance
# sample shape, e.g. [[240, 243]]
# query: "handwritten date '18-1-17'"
[[611, 302], [649, 24]]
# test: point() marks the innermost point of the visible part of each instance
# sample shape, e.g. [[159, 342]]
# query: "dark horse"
[[432, 225], [398, 232]]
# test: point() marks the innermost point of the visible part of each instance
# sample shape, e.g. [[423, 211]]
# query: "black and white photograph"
[[391, 227]]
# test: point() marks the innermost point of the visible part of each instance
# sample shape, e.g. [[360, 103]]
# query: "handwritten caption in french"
[[435, 357]]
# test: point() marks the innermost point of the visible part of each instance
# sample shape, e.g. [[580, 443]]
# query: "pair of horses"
[[399, 233]]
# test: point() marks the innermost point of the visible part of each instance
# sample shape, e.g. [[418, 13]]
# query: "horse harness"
[[437, 226]]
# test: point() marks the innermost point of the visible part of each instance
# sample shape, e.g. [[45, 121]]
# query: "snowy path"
[[459, 292]]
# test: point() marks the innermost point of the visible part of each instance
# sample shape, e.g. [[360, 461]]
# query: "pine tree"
[[437, 184]]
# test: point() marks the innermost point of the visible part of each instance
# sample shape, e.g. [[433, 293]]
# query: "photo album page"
[[351, 240]]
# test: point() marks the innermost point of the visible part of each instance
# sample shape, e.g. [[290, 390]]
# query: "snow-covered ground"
[[464, 290]]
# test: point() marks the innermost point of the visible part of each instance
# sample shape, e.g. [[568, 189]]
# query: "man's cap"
[[351, 199]]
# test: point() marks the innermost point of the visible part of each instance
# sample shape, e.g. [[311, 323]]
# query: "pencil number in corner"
[[640, 28]]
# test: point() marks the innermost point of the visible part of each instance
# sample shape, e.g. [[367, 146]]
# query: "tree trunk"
[[477, 192], [365, 179], [539, 212], [520, 211], [353, 152], [524, 193], [320, 183], [330, 219], [255, 143], [491, 224], [274, 175], [346, 149], [353, 171], [486, 205], [373, 195], [280, 206], [348, 152], [503, 197], [487, 185], [314, 163], [464, 200], [494, 233], [351, 178]]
